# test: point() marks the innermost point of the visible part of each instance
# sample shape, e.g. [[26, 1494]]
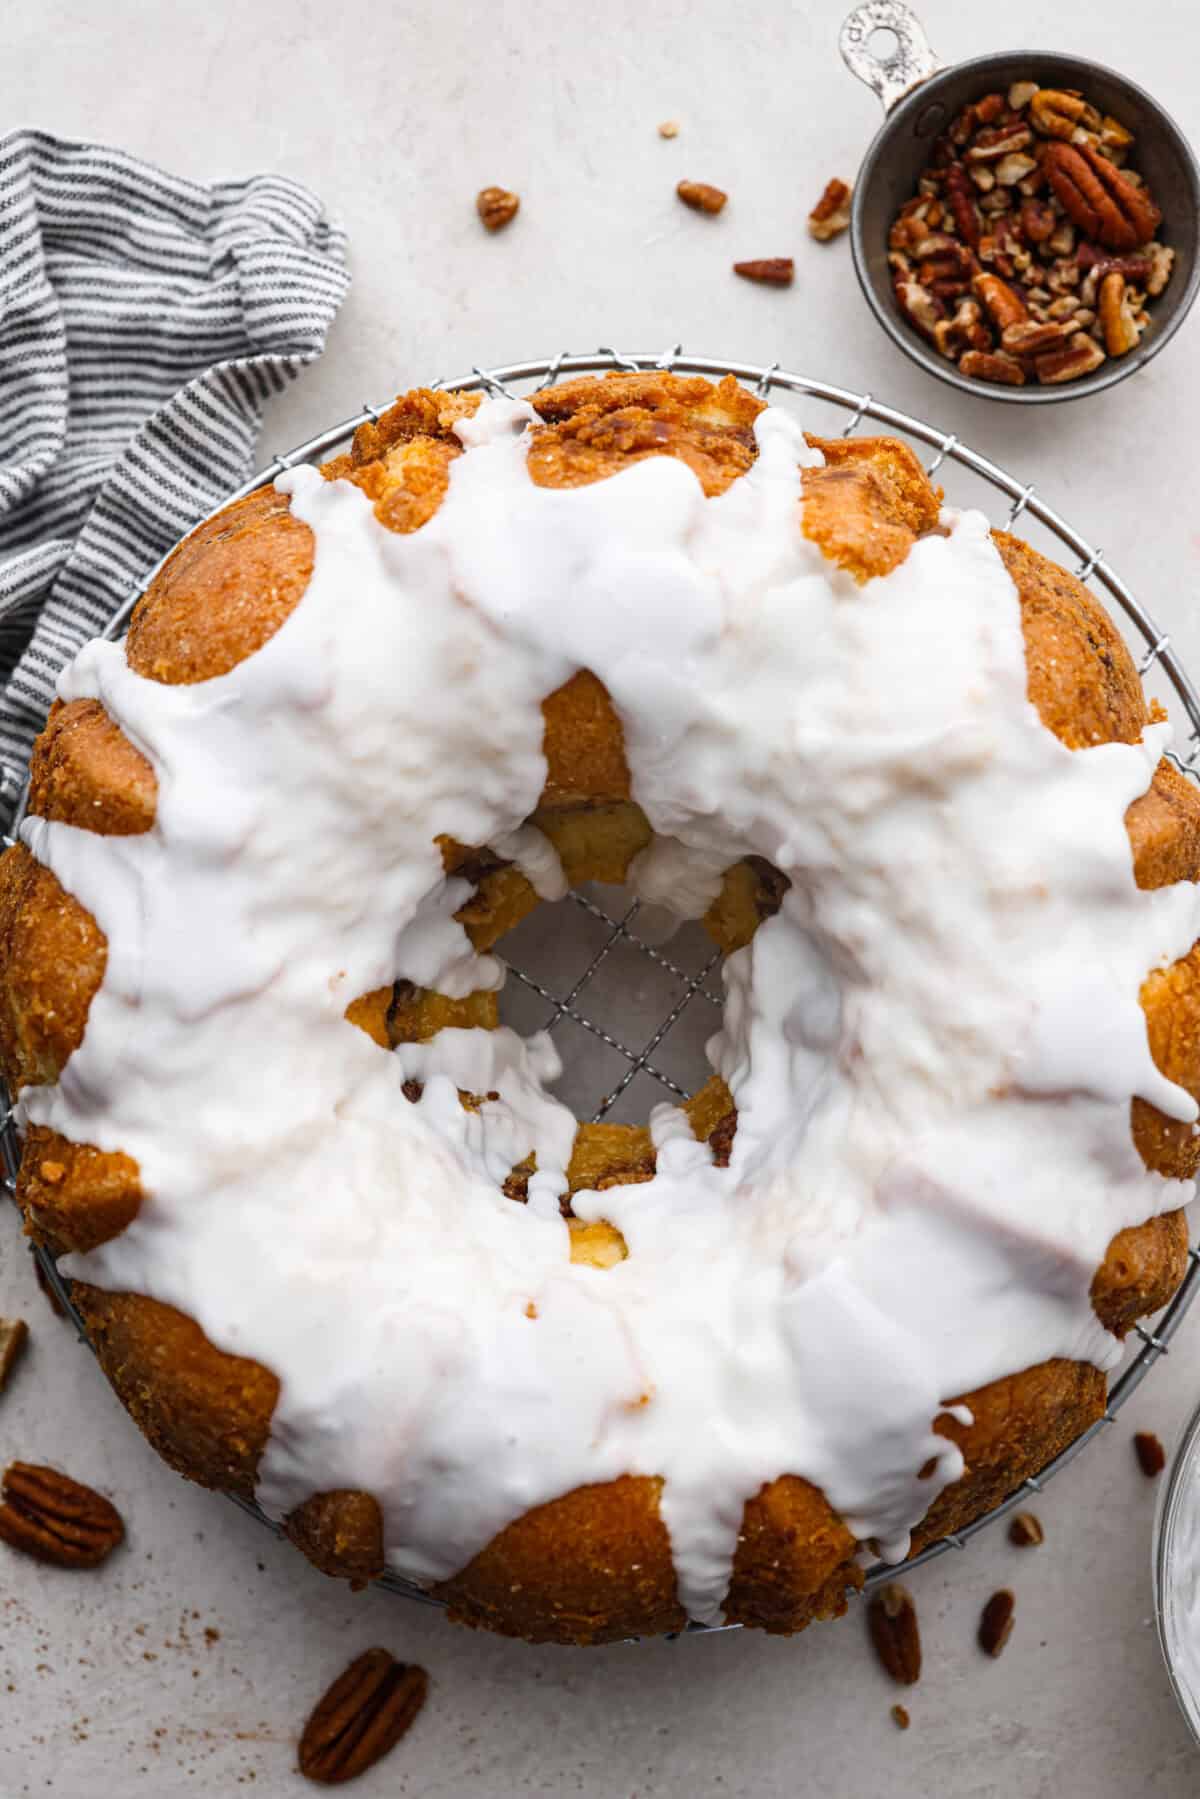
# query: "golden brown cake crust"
[[207, 1413], [593, 1564], [84, 771]]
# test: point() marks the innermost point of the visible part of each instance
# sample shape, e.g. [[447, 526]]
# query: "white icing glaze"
[[933, 1045]]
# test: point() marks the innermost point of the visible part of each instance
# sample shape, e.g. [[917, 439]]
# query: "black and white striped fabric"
[[144, 322]]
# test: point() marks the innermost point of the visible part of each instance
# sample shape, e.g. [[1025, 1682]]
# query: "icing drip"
[[932, 1045]]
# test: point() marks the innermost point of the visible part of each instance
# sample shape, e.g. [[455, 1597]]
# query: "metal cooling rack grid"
[[1023, 499]]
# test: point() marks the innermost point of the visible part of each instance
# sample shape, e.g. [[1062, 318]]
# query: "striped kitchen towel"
[[144, 322]]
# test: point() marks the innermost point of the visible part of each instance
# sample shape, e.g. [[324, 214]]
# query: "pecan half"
[[497, 207], [700, 196], [892, 1620], [1150, 1453], [996, 1623], [1098, 198], [48, 1515], [1025, 1531], [362, 1716], [14, 1334], [831, 214], [773, 271]]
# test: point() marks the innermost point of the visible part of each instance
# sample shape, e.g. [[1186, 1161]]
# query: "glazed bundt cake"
[[336, 1244]]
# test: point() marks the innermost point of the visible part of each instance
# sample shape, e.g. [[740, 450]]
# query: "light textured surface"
[[397, 117]]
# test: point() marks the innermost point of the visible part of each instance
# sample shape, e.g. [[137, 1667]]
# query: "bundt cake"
[[588, 1380]]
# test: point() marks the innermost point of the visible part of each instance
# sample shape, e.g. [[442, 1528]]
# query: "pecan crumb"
[[900, 1717], [1151, 1456], [892, 1621], [669, 128], [1026, 1531], [773, 271], [14, 1334], [831, 214], [996, 1622], [497, 207], [700, 196]]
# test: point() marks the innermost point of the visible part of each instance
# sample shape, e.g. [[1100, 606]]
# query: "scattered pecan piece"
[[995, 1625], [892, 1621], [900, 1717], [48, 1515], [700, 196], [831, 214], [497, 207], [362, 1716], [773, 271], [1025, 1531], [669, 128], [14, 1334], [1150, 1454]]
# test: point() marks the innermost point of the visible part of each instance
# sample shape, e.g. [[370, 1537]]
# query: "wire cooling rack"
[[594, 940]]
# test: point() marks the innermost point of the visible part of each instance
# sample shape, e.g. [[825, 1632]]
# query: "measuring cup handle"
[[911, 62]]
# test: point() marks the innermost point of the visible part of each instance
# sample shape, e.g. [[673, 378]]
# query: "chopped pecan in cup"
[[1029, 252]]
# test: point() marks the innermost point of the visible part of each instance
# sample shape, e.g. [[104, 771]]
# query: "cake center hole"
[[628, 1012]]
